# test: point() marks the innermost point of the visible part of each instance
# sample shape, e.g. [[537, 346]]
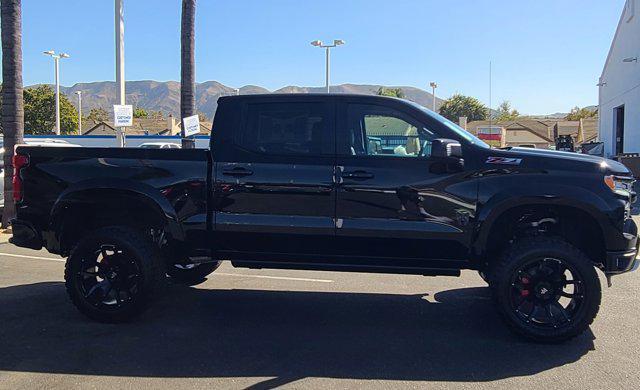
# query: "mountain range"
[[165, 95]]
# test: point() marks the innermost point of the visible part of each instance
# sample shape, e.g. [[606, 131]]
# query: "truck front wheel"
[[113, 274], [546, 289], [191, 274]]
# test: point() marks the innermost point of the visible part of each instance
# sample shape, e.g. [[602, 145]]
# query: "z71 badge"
[[504, 160]]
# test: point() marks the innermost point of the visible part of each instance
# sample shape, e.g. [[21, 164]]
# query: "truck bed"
[[61, 183]]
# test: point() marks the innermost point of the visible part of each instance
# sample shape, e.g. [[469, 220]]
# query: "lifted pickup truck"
[[338, 183]]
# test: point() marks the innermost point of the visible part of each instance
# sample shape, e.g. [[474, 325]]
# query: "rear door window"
[[288, 128]]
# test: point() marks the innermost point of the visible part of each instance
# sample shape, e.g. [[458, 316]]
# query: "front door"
[[274, 180], [396, 205], [619, 130]]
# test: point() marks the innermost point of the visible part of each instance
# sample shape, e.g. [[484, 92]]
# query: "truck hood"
[[603, 164]]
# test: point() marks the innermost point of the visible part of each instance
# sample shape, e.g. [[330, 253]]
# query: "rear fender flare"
[[80, 192]]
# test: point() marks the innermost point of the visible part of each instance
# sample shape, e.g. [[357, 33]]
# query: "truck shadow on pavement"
[[455, 335]]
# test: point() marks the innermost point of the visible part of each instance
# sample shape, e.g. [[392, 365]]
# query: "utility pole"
[[120, 82], [433, 85], [56, 61], [336, 42], [79, 93]]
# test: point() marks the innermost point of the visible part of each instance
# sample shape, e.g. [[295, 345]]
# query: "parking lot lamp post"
[[433, 93], [79, 93], [56, 60], [336, 42], [120, 81]]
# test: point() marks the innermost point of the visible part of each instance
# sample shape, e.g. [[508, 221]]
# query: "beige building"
[[518, 133], [540, 133]]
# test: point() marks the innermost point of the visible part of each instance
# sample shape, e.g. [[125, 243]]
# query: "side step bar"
[[347, 268]]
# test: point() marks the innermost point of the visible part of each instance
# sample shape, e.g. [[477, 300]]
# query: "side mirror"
[[444, 148]]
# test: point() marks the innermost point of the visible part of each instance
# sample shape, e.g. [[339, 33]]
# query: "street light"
[[433, 93], [79, 93], [56, 60], [120, 81], [336, 42]]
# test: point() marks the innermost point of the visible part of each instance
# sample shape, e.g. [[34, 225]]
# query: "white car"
[[159, 145]]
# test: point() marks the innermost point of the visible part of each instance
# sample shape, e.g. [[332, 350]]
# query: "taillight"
[[19, 162]]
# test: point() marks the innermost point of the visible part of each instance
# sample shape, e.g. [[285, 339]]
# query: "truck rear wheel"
[[113, 274], [546, 289], [191, 274]]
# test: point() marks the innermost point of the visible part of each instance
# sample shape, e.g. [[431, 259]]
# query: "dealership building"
[[619, 93]]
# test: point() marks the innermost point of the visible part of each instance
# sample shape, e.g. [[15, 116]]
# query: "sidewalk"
[[4, 236]]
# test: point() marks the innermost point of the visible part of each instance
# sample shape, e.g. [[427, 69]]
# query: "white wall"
[[622, 83]]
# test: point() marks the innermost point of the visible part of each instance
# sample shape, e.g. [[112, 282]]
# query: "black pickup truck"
[[338, 183]]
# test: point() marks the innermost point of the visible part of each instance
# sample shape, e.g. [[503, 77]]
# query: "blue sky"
[[547, 54]]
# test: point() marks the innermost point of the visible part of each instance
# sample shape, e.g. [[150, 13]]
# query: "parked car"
[[292, 182], [159, 145]]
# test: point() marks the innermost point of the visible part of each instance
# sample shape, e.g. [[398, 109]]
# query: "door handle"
[[237, 171], [357, 175]]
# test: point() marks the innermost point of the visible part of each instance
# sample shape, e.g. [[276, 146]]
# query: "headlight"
[[621, 186]]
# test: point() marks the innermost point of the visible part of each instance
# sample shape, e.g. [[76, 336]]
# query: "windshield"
[[454, 127]]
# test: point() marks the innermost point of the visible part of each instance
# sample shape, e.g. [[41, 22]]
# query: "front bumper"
[[618, 262], [25, 235]]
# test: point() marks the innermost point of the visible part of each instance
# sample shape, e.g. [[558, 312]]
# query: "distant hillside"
[[561, 115], [165, 95]]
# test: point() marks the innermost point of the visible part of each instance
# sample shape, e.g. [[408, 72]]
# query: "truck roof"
[[276, 96]]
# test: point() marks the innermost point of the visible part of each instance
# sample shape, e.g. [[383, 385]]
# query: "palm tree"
[[188, 65], [12, 104]]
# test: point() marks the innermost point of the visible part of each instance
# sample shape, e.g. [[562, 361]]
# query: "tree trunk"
[[12, 103], [188, 67]]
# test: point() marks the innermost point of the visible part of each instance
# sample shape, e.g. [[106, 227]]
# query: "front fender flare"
[[555, 195]]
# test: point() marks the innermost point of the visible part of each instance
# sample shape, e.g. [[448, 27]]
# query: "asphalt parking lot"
[[267, 328]]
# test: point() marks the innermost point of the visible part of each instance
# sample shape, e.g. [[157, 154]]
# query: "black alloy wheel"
[[547, 292], [546, 289], [113, 274], [109, 278]]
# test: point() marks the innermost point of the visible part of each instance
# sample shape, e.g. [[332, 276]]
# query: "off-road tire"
[[191, 276], [143, 252], [525, 250]]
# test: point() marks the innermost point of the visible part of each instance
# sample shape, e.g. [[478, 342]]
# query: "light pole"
[[336, 42], [120, 86], [433, 93], [79, 93], [56, 60]]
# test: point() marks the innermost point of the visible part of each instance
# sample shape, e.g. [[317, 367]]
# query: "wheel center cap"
[[544, 290]]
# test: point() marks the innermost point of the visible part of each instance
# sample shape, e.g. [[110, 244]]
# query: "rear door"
[[274, 189], [396, 205]]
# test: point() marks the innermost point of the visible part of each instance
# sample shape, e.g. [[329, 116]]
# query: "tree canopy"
[[578, 113], [393, 92], [98, 115], [506, 113], [459, 105], [140, 113], [40, 112]]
